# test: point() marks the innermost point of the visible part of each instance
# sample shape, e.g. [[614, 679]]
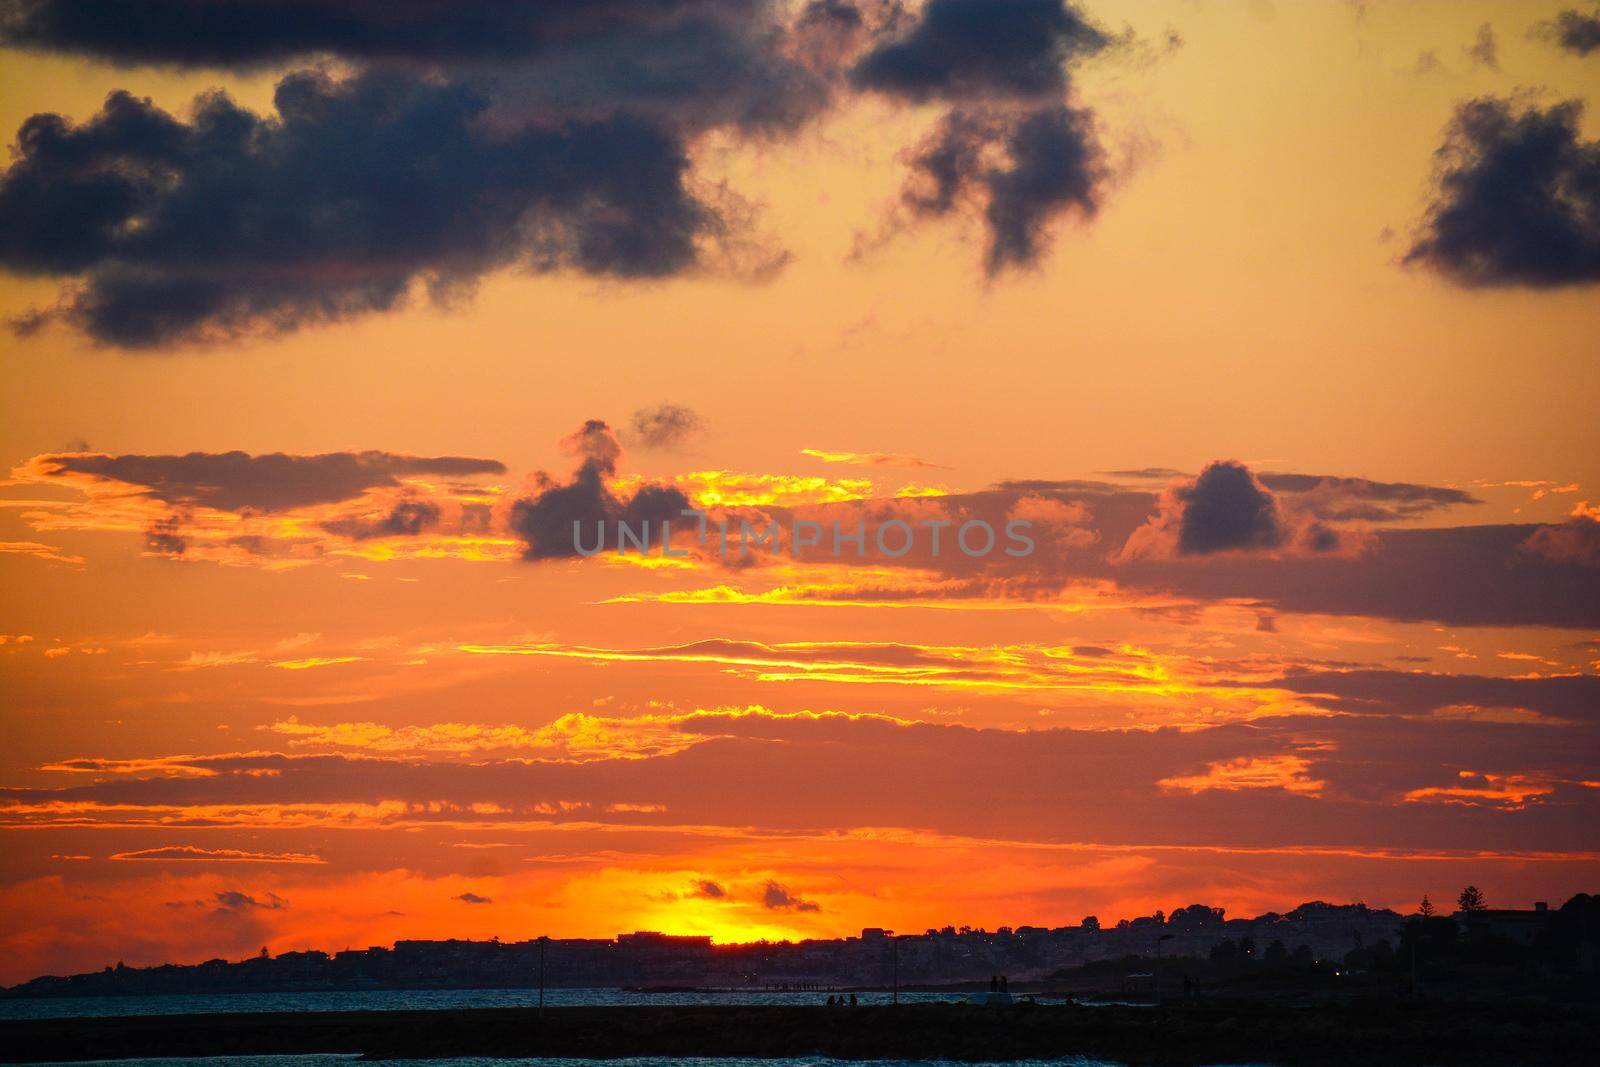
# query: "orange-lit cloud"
[[312, 662], [710, 489], [48, 553], [572, 737], [1512, 791], [871, 459], [1288, 773], [953, 667], [276, 511], [189, 853]]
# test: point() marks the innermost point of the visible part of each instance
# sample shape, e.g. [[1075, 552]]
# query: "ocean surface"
[[641, 1061], [411, 1000]]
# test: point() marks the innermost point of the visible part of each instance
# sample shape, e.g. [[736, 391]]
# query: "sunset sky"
[[1277, 320]]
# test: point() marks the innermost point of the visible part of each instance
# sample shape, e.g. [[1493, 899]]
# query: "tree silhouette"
[[1090, 922], [1471, 899], [1426, 907]]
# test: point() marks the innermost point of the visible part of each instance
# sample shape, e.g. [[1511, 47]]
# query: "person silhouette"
[[852, 1000], [994, 983], [831, 1002], [1003, 983]]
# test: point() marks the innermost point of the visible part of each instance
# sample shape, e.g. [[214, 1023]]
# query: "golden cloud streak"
[[1511, 792], [38, 550], [190, 854], [724, 488], [871, 459], [395, 815], [277, 540], [957, 667], [1286, 772]]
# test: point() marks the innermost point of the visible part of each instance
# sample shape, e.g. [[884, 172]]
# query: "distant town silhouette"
[[1195, 948]]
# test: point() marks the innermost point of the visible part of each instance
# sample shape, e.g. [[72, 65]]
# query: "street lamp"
[[543, 941], [894, 949], [1163, 937]]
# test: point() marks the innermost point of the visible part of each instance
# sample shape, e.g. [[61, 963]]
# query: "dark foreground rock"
[[1445, 1034]]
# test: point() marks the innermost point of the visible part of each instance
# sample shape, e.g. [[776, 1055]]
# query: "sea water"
[[418, 1000], [637, 1061]]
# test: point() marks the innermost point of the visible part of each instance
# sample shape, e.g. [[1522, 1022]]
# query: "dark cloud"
[[234, 900], [1484, 575], [947, 163], [1575, 31], [828, 35], [666, 426], [594, 443], [1466, 576], [408, 518], [1343, 499], [846, 772], [777, 897], [357, 189], [462, 139], [1517, 199], [1056, 164], [144, 230], [1011, 147], [547, 522], [1571, 697], [836, 14], [459, 140], [1226, 509], [1053, 164], [1070, 486], [1575, 541], [472, 898], [1484, 50], [708, 890], [165, 536], [962, 49], [1427, 63], [691, 74], [695, 63], [204, 33], [237, 481], [1331, 497], [1154, 473]]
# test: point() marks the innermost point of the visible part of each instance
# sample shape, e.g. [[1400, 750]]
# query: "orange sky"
[[339, 674]]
